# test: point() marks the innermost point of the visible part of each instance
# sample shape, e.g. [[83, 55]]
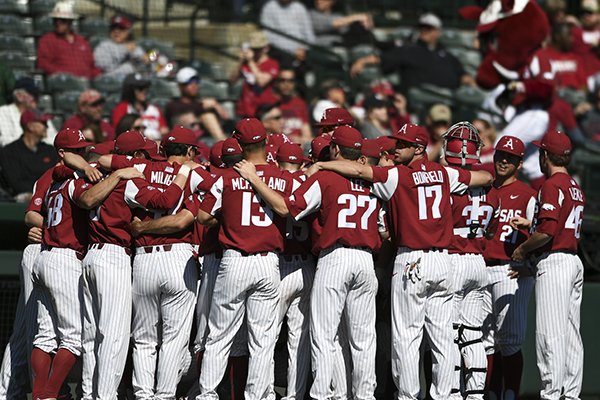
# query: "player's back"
[[110, 221]]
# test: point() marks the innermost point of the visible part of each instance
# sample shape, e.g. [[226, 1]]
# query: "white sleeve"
[[456, 187], [312, 197], [385, 190], [530, 210], [381, 224], [217, 191], [131, 191]]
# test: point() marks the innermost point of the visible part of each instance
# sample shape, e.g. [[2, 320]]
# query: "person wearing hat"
[[207, 110], [257, 70], [332, 118], [134, 99], [345, 279], [25, 96], [91, 108], [319, 148], [553, 249], [377, 119], [63, 50], [119, 55], [422, 61], [332, 94], [27, 158], [437, 122]]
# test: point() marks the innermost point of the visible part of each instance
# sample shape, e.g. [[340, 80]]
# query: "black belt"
[[100, 246], [290, 257], [163, 247], [433, 249], [246, 254], [494, 263]]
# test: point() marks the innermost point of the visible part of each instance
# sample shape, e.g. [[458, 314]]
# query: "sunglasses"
[[401, 144]]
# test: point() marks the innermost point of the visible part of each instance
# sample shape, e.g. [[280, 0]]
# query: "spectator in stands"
[[271, 116], [424, 61], [586, 36], [7, 84], [290, 17], [208, 110], [396, 105], [91, 108], [590, 121], [568, 67], [258, 71], [332, 95], [377, 119], [331, 27], [27, 158], [25, 96], [437, 122], [119, 55], [129, 122], [63, 50], [487, 133], [294, 109], [134, 99]]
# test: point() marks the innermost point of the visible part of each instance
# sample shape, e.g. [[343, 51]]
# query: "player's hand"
[[245, 168], [357, 67], [313, 169], [412, 271], [92, 174], [136, 227], [34, 235], [516, 86], [129, 173], [519, 223], [518, 255]]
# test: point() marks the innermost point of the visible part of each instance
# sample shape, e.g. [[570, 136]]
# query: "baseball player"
[[508, 298], [332, 118], [319, 148], [247, 283], [471, 213], [418, 195], [345, 282], [559, 279]]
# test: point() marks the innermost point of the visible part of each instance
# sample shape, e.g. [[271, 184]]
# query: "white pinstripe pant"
[[246, 286], [507, 310], [107, 320], [427, 303], [58, 289], [344, 284], [297, 276], [558, 294], [14, 372], [164, 294], [471, 284]]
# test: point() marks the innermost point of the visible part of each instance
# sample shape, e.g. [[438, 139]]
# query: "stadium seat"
[[13, 7], [66, 102], [14, 44], [468, 58], [18, 61], [65, 83], [571, 96], [229, 106], [92, 26], [204, 69], [161, 102], [218, 90], [470, 95], [423, 96], [40, 7], [163, 88], [165, 48], [42, 25], [107, 84], [235, 90], [403, 33], [45, 103], [360, 51], [457, 38], [16, 25], [111, 101], [321, 57]]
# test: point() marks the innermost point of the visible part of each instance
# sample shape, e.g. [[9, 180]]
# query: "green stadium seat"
[[45, 103], [163, 88], [18, 61], [66, 82], [218, 90], [66, 102], [403, 33], [571, 96], [14, 44], [321, 57], [457, 38], [16, 25], [40, 7], [163, 47], [111, 101], [423, 96], [468, 58], [91, 26], [107, 84], [42, 25], [470, 96], [342, 52], [235, 90], [13, 7], [161, 102], [361, 51]]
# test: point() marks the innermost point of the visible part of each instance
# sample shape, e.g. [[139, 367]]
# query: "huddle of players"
[[275, 242]]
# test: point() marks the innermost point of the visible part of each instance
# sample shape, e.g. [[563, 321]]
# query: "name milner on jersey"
[[277, 184]]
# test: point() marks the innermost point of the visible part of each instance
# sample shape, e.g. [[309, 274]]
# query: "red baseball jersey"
[[252, 93], [472, 213], [40, 188], [538, 78], [65, 223], [297, 233], [295, 114], [560, 212], [199, 182], [346, 210], [210, 236], [247, 224], [516, 200], [419, 208], [569, 69]]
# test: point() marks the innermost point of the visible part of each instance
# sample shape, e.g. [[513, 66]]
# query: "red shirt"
[[152, 118], [295, 114], [56, 54], [569, 69], [560, 213], [40, 188], [472, 213], [297, 233], [538, 78], [346, 210], [583, 44], [252, 94], [516, 200], [65, 223], [561, 112], [199, 183], [419, 208], [79, 122], [247, 224]]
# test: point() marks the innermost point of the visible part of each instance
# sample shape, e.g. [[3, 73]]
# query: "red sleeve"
[[192, 203], [45, 53], [78, 187], [150, 197], [211, 204], [304, 112], [118, 112], [208, 203], [380, 174], [62, 172], [297, 202], [40, 188], [547, 226], [271, 67], [549, 202], [161, 119], [119, 162], [464, 176], [540, 85]]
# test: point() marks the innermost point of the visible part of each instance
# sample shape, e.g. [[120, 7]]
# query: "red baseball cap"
[[511, 145], [413, 134], [130, 141], [290, 152], [249, 130], [181, 135], [70, 139], [347, 136], [230, 146], [371, 148], [386, 143], [155, 155], [555, 142], [336, 116], [103, 148], [216, 151], [121, 22], [29, 116], [319, 147]]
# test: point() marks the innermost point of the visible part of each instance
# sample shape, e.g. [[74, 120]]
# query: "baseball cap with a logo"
[[512, 145], [230, 146], [290, 152], [413, 134], [371, 148], [555, 142], [131, 141], [319, 148], [102, 148], [181, 135], [70, 139], [119, 21], [249, 130], [347, 136], [185, 75], [336, 116], [216, 151], [29, 116]]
